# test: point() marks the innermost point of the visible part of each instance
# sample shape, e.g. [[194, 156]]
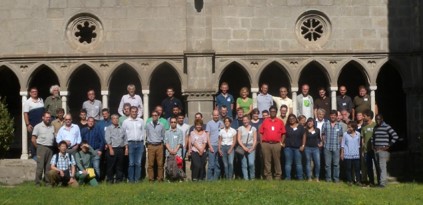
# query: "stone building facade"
[[193, 45]]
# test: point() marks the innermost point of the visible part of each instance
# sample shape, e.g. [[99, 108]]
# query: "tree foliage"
[[6, 128]]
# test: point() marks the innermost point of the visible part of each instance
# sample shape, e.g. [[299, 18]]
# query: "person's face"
[[224, 111], [227, 123], [56, 92], [60, 115], [366, 118], [283, 111], [215, 115], [345, 115], [333, 117], [180, 120], [310, 124], [265, 115], [342, 90], [359, 117], [198, 117], [244, 94], [322, 93], [264, 89], [106, 115], [68, 120], [350, 129], [224, 89], [155, 116], [283, 92], [115, 120], [198, 127], [170, 92], [379, 120], [134, 113], [292, 120], [362, 92], [240, 113], [46, 118], [305, 89], [33, 93], [339, 116], [83, 116], [302, 121], [173, 123], [127, 110], [255, 116], [63, 148], [91, 95], [245, 121], [273, 113], [159, 111], [131, 91], [84, 148], [320, 116], [90, 122], [175, 110]]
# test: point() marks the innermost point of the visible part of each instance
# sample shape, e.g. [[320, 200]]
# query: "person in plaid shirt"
[[62, 167], [332, 134]]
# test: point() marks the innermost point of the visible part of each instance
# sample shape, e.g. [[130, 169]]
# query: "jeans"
[[293, 154], [369, 159], [352, 165], [96, 164], [382, 157], [198, 163], [228, 161], [312, 153], [213, 171], [332, 157], [135, 151], [248, 164]]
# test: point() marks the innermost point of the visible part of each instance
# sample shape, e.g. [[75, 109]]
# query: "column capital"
[[294, 89], [145, 92], [23, 93], [104, 92], [373, 87], [64, 93], [333, 88], [254, 90]]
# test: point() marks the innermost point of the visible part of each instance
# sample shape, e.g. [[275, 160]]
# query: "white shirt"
[[227, 136], [279, 102], [307, 108], [185, 131], [32, 104], [72, 133], [134, 129], [134, 101]]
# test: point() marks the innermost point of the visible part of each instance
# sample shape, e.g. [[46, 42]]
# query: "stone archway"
[[276, 76], [316, 76], [43, 78], [391, 101], [121, 77], [9, 89], [163, 77], [352, 76], [81, 80]]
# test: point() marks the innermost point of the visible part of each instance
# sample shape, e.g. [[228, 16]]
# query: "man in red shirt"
[[272, 131]]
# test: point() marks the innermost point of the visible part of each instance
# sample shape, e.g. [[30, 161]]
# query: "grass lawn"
[[221, 192]]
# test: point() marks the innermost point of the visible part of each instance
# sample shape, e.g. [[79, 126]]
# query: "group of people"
[[248, 145]]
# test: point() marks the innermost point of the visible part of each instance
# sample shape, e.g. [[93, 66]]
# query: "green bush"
[[6, 128]]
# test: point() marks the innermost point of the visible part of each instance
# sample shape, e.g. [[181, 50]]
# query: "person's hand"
[[62, 174], [220, 152], [85, 172], [320, 145], [68, 142], [230, 150], [72, 180], [99, 153], [251, 150], [245, 149], [283, 145], [342, 157], [29, 128], [112, 152], [211, 149], [302, 148], [126, 152]]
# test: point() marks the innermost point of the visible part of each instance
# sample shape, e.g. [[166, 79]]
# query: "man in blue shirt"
[[93, 135], [213, 127], [224, 98]]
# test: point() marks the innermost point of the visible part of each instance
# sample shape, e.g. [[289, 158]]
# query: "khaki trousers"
[[155, 155], [271, 152]]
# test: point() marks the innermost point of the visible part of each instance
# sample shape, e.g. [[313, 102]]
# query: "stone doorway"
[[43, 78], [276, 76], [81, 80], [119, 80], [352, 76], [316, 76]]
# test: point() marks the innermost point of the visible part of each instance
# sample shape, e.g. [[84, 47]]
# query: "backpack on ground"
[[173, 172]]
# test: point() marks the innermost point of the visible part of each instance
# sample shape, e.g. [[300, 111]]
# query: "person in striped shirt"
[[383, 138]]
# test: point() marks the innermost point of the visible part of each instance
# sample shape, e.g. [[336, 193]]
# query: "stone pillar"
[[24, 154], [333, 97], [145, 94], [105, 99], [64, 95], [294, 91], [373, 88], [200, 101], [254, 91]]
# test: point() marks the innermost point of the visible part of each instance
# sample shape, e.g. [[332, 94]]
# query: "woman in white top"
[[227, 141], [247, 139]]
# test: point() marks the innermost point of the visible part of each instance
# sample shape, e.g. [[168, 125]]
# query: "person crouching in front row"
[[62, 167]]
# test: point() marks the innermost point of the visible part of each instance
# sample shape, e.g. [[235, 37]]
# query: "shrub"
[[6, 128]]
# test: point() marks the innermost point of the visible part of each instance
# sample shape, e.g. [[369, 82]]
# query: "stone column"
[[254, 91], [105, 99], [294, 91], [200, 101], [333, 97], [24, 154], [145, 94], [373, 88], [64, 95]]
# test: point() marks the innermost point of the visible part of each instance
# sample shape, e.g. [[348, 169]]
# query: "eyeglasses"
[[173, 122]]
